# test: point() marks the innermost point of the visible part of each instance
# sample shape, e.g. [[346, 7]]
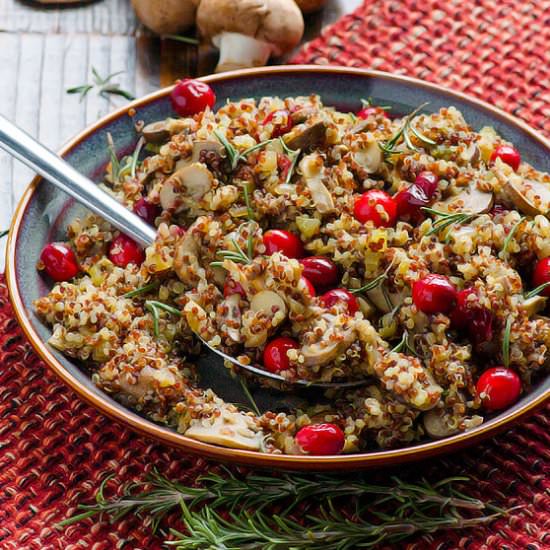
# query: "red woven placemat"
[[55, 450]]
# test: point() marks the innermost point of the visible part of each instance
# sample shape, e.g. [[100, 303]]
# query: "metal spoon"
[[57, 171]]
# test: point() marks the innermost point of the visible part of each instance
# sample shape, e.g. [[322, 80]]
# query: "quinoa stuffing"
[[410, 253]]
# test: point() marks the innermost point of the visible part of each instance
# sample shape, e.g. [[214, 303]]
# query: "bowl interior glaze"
[[44, 212]]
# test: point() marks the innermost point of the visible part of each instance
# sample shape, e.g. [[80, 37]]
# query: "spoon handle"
[[57, 171]]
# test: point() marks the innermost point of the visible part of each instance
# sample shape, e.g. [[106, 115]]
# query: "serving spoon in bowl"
[[59, 172]]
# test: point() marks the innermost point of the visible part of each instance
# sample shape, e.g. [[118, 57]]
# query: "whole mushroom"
[[166, 16], [248, 32]]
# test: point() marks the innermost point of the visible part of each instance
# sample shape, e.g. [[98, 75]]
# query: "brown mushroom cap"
[[165, 16], [277, 22]]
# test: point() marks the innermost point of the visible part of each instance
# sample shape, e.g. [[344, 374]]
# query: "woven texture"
[[55, 450]]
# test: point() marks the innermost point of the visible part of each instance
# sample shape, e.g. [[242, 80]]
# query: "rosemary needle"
[[506, 342], [536, 291]]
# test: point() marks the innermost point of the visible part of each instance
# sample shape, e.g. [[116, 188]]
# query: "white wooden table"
[[44, 51]]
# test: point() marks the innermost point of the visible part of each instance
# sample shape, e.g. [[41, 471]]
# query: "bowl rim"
[[174, 439]]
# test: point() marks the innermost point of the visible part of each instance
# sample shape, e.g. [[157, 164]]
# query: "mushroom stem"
[[238, 51]]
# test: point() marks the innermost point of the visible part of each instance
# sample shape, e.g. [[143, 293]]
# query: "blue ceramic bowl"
[[44, 212]]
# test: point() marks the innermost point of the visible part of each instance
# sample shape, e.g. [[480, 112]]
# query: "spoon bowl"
[[59, 172]]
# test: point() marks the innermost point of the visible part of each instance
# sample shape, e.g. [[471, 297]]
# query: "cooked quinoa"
[[220, 180]]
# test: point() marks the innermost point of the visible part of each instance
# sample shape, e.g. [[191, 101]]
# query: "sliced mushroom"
[[268, 302], [156, 132], [325, 351], [190, 182], [533, 305], [304, 137], [436, 425], [229, 429], [233, 319], [517, 189], [360, 126], [470, 200], [384, 300], [301, 115], [206, 145], [186, 259], [369, 157], [312, 167]]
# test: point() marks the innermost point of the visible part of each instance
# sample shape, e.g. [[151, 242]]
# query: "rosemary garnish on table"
[[446, 219], [105, 86], [154, 307], [233, 154], [382, 513], [403, 135], [4, 233]]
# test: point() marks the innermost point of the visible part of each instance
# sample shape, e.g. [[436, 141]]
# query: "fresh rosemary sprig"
[[510, 236], [154, 307], [4, 233], [238, 255], [370, 103], [371, 285], [208, 530], [294, 155], [249, 210], [142, 289], [180, 38], [404, 344], [536, 291], [232, 154], [506, 342], [446, 219], [386, 513], [390, 147], [246, 391], [104, 85]]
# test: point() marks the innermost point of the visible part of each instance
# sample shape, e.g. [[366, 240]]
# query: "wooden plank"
[[102, 17]]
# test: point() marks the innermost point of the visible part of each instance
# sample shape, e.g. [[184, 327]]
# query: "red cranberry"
[[409, 202], [501, 388], [275, 357], [427, 181], [376, 206], [146, 210], [281, 121], [124, 251], [541, 275], [279, 240], [232, 287], [434, 294], [469, 315], [320, 271], [507, 154], [320, 439], [283, 164], [59, 261], [310, 287], [371, 111], [191, 96], [328, 299]]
